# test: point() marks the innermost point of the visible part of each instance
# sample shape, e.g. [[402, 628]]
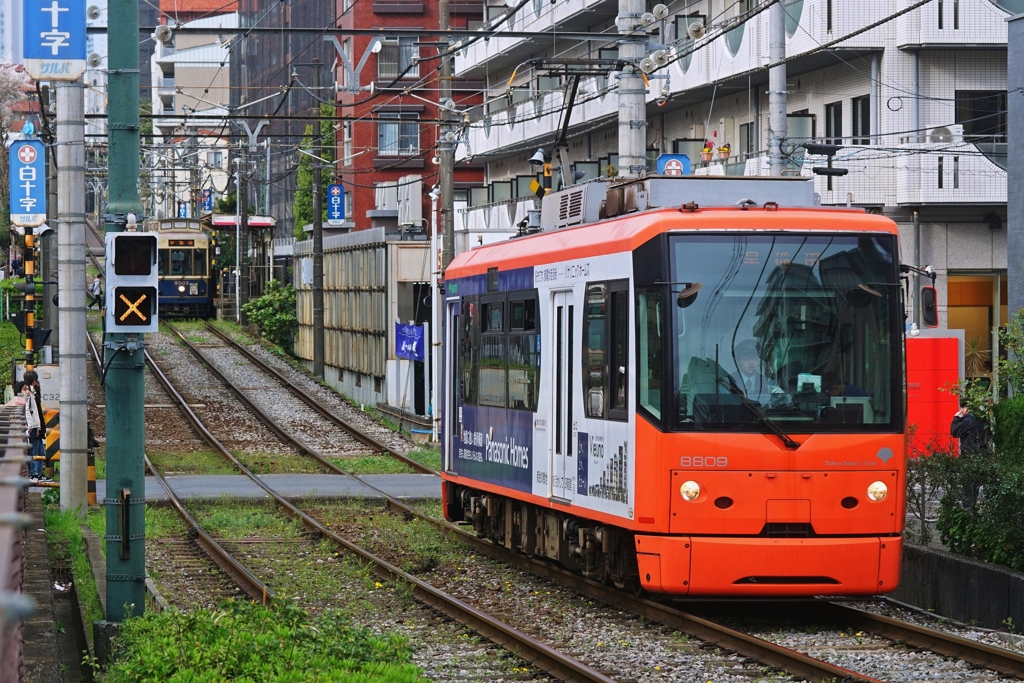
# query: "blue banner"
[[28, 183], [182, 209], [496, 446], [208, 201], [54, 39], [335, 203], [409, 342]]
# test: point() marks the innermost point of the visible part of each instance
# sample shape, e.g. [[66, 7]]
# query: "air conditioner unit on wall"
[[947, 134]]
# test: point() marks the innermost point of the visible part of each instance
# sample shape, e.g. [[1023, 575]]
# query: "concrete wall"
[[959, 588]]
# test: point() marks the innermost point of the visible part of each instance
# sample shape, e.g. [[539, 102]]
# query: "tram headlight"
[[690, 490], [181, 288], [877, 491]]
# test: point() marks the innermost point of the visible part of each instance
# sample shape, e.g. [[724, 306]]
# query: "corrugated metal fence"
[[355, 305], [13, 602]]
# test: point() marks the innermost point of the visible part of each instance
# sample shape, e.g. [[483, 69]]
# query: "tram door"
[[563, 461], [450, 413]]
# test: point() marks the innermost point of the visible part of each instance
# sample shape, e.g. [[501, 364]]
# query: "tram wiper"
[[772, 426]]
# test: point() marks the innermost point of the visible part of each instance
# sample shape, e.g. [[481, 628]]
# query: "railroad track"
[[239, 573], [557, 664], [975, 653]]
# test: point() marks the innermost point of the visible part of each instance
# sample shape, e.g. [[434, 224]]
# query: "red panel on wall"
[[932, 365]]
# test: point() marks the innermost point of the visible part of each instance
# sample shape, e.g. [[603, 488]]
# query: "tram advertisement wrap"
[[496, 445]]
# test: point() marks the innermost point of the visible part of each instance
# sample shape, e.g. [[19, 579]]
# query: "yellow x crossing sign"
[[134, 306]]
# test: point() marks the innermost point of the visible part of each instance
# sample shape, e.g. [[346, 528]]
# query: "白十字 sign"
[[54, 39], [28, 183]]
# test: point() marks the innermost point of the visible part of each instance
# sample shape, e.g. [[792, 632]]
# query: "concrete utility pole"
[[48, 252], [631, 92], [71, 259], [777, 131], [318, 239], [446, 149], [126, 496], [1015, 175]]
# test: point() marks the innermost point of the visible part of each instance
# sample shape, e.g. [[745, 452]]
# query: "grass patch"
[[277, 463], [423, 546], [372, 464], [427, 455], [242, 519], [93, 322], [244, 641], [231, 328], [195, 462], [66, 546], [101, 461]]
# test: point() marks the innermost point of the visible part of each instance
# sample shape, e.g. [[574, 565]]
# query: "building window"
[[348, 206], [346, 145], [748, 138], [397, 59], [215, 159], [862, 120], [982, 113], [398, 134], [346, 77], [834, 123]]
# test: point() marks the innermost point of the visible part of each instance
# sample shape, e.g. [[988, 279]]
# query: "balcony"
[[165, 86], [491, 222], [946, 23]]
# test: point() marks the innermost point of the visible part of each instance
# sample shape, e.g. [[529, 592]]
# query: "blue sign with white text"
[[496, 446], [673, 164], [54, 39], [409, 342], [208, 200], [335, 204], [182, 209], [28, 183]]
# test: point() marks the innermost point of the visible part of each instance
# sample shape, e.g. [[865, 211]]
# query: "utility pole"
[[777, 131], [631, 92], [48, 256], [124, 356], [1015, 156], [242, 295], [71, 259], [318, 238], [446, 149]]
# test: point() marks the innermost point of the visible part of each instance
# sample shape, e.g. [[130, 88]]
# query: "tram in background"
[[186, 268], [691, 386]]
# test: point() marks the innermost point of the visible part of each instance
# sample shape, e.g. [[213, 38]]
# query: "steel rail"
[[239, 573], [312, 403], [991, 657], [749, 646], [556, 663]]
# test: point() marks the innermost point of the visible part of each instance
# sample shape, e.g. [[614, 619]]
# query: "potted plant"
[[705, 154], [975, 357], [723, 151]]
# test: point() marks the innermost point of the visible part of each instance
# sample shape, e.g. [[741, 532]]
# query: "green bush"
[[11, 347], [992, 528], [243, 641], [1009, 433], [274, 314]]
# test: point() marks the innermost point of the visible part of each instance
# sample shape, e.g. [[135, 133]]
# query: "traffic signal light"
[[131, 297]]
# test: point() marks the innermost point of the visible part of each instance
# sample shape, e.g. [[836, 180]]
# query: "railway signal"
[[132, 283]]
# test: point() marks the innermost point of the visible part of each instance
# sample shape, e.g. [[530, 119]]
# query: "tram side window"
[[523, 355], [606, 350], [493, 380], [162, 260], [470, 349]]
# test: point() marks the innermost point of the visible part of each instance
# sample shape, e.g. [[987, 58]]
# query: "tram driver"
[[750, 380]]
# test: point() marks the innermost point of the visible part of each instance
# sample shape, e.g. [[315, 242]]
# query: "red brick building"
[[397, 131]]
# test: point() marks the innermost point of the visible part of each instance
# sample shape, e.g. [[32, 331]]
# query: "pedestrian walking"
[[34, 429], [96, 292]]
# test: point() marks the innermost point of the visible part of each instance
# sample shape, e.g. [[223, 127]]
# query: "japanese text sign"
[[28, 183], [335, 205], [409, 341], [54, 39]]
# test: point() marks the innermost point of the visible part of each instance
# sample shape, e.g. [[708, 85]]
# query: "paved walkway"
[[214, 486]]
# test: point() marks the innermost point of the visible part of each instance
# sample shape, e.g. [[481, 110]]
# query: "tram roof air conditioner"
[[947, 134]]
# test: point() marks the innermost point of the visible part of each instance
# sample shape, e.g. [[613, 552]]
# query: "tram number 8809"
[[701, 461]]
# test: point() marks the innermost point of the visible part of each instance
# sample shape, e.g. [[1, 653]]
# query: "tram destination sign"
[[54, 39]]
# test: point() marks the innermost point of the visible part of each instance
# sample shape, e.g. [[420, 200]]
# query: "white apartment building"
[[918, 105], [191, 88], [10, 31]]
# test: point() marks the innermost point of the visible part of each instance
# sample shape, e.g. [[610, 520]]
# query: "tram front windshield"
[[797, 330]]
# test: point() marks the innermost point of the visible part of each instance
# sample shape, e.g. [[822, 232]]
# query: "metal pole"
[[776, 87], [915, 102], [49, 269], [916, 313], [1015, 175], [238, 233], [435, 324], [631, 93], [74, 452], [242, 296], [126, 496], [446, 149], [318, 241]]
